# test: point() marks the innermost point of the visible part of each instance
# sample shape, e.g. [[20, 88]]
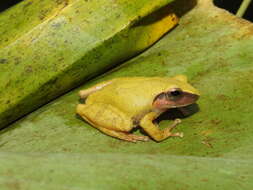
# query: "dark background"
[[7, 3], [231, 5]]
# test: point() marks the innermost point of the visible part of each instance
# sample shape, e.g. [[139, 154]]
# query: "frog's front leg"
[[153, 130], [84, 93], [109, 120]]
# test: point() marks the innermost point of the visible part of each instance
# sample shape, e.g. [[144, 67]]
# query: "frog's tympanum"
[[115, 107]]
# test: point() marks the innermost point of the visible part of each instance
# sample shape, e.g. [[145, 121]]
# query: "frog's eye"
[[175, 92]]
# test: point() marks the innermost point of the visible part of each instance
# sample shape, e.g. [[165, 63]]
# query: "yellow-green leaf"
[[49, 47]]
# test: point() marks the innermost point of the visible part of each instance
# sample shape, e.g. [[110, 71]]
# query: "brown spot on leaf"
[[43, 14], [27, 4], [222, 97], [3, 61], [17, 60], [206, 132], [65, 2], [61, 59], [56, 25], [215, 121], [207, 143], [13, 185], [29, 69]]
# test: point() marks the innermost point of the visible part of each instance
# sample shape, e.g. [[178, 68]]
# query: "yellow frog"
[[115, 107]]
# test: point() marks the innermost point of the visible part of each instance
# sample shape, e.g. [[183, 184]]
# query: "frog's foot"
[[154, 132], [169, 129], [123, 135]]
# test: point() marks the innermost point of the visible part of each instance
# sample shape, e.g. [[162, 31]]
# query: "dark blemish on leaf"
[[33, 39], [61, 59], [125, 35], [159, 54], [7, 84], [17, 60], [27, 4], [87, 21], [242, 177], [215, 121], [56, 25], [58, 1], [222, 97], [29, 69], [163, 63], [3, 61], [53, 81], [8, 101], [66, 149], [13, 185], [61, 1], [43, 14], [208, 144]]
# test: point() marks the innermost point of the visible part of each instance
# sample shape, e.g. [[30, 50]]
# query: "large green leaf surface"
[[52, 148], [49, 47]]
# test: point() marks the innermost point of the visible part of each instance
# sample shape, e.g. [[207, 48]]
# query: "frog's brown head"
[[178, 94]]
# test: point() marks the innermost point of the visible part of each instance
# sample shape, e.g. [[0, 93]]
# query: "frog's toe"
[[130, 140], [179, 134], [139, 138]]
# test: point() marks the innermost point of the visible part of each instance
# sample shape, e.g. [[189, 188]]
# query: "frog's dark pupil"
[[175, 93]]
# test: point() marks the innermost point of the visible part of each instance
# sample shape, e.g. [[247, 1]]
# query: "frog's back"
[[132, 95]]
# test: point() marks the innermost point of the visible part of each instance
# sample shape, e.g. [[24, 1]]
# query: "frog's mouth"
[[164, 101]]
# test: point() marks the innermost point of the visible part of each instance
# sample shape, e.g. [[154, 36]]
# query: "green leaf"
[[54, 149], [49, 47]]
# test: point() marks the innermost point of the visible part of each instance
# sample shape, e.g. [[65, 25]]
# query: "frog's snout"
[[187, 99]]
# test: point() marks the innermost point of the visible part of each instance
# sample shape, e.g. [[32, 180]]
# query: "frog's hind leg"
[[84, 93], [109, 120], [123, 135]]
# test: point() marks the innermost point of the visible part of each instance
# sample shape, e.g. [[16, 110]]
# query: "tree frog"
[[116, 106]]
